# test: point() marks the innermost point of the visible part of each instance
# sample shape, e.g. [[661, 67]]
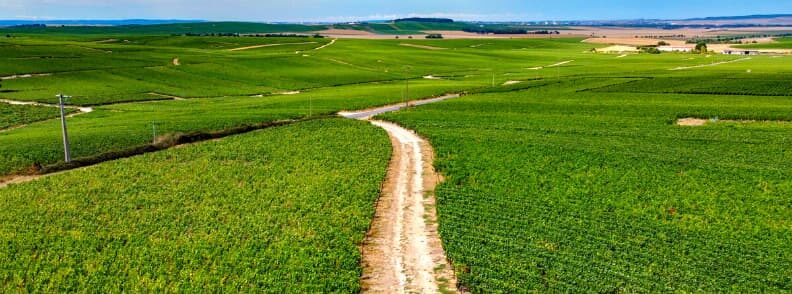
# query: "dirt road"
[[268, 45], [403, 252], [15, 102], [326, 45], [710, 64]]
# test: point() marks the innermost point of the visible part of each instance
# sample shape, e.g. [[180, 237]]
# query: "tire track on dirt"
[[403, 252]]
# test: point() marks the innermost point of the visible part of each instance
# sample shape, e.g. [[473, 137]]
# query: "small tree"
[[650, 50], [701, 47], [662, 43]]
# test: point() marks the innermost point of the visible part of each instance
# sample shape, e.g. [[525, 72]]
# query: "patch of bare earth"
[[633, 41], [268, 45], [17, 180], [691, 122], [166, 96], [422, 46], [468, 35], [352, 34], [403, 252], [696, 122], [24, 76], [710, 64]]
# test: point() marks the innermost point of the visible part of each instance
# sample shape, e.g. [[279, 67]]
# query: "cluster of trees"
[[649, 49], [248, 35], [318, 36], [434, 36], [208, 35], [29, 26], [701, 47], [663, 37], [509, 31]]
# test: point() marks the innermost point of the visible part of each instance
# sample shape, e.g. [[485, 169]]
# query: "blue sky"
[[342, 10]]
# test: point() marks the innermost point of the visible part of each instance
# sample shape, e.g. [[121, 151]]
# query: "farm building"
[[740, 52], [617, 49], [675, 48]]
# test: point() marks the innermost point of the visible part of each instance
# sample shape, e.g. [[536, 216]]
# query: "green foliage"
[[15, 115], [754, 84], [780, 43], [564, 173], [566, 191], [351, 74], [650, 50], [701, 47], [257, 217]]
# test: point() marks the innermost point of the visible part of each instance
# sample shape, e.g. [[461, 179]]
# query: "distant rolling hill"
[[171, 28], [396, 27], [763, 20], [99, 22]]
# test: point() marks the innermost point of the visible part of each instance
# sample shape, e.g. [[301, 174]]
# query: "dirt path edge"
[[403, 251]]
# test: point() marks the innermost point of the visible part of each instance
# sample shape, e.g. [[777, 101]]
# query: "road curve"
[[403, 252], [368, 113]]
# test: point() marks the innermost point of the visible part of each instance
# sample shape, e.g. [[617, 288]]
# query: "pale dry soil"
[[710, 64], [422, 46], [403, 252], [268, 45], [15, 102], [697, 122]]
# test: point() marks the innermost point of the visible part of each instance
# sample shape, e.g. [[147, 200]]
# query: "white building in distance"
[[675, 48]]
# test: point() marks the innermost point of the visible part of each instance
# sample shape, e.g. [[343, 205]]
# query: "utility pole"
[[407, 91], [153, 132], [66, 150], [493, 78], [407, 88]]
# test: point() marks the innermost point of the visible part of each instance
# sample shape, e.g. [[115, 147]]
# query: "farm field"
[[350, 81], [564, 170], [570, 190], [18, 115], [780, 43], [259, 216]]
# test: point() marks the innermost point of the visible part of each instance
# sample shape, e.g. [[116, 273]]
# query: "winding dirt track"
[[268, 45], [403, 252], [15, 102], [710, 64]]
